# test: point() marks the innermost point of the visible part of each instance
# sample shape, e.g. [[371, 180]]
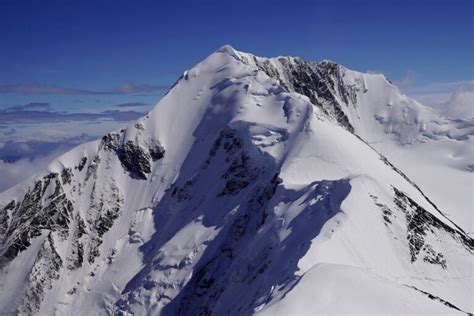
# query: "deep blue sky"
[[59, 58], [101, 45]]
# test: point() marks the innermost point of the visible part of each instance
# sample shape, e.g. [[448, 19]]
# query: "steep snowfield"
[[348, 290], [253, 186]]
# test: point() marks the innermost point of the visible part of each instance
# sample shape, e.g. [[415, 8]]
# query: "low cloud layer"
[[20, 114], [452, 99], [131, 104], [21, 159], [30, 138], [35, 89], [406, 81], [33, 134], [45, 106], [12, 173], [459, 105], [11, 151]]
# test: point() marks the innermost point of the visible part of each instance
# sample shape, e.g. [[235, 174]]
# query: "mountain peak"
[[243, 180], [228, 49]]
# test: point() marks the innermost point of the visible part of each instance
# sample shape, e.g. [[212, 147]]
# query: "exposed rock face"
[[387, 213], [155, 149], [44, 206], [92, 168], [46, 209], [320, 82], [436, 298], [103, 211], [5, 217], [66, 176], [421, 224], [81, 164], [76, 257], [240, 172], [135, 158], [54, 207], [423, 229], [46, 269]]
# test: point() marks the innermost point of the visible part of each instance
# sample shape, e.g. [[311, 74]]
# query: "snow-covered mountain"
[[255, 185]]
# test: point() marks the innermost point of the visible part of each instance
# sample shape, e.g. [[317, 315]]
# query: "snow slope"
[[435, 151], [349, 290], [250, 180]]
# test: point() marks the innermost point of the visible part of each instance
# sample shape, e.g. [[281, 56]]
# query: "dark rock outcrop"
[[45, 270], [103, 211], [45, 206], [135, 158], [421, 223], [320, 82]]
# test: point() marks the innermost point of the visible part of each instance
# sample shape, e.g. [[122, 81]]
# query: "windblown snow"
[[256, 185]]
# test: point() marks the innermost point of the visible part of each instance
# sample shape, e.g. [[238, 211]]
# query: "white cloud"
[[13, 173], [431, 99], [453, 99], [439, 87], [31, 147], [407, 81], [459, 105]]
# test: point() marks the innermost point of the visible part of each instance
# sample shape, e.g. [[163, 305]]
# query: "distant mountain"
[[256, 185]]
